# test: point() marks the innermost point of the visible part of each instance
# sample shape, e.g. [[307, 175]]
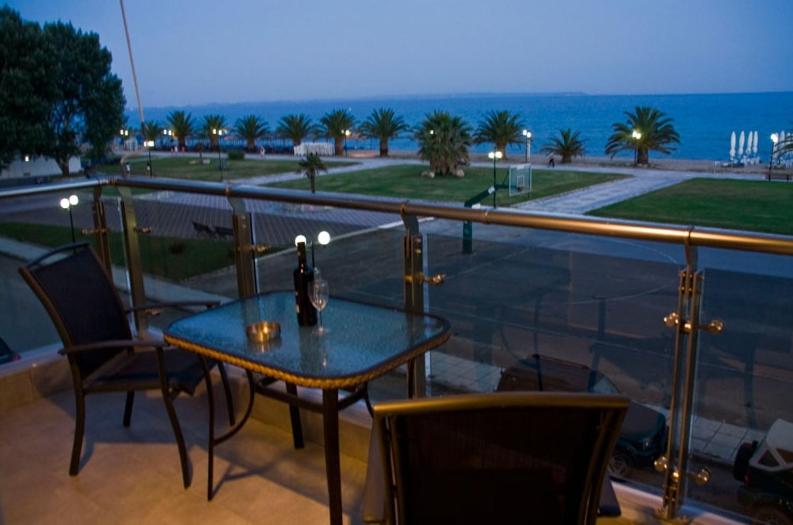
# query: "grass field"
[[190, 168], [405, 181], [168, 257], [735, 204]]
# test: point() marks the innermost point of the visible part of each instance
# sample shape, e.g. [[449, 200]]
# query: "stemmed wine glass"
[[318, 294]]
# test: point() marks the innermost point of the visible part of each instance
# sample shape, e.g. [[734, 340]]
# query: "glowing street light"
[[67, 203], [527, 134], [774, 141], [495, 155], [637, 136], [218, 134], [347, 134], [323, 238]]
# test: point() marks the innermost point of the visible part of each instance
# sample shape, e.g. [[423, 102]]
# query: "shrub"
[[236, 154]]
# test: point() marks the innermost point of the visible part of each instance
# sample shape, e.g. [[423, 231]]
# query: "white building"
[[33, 166]]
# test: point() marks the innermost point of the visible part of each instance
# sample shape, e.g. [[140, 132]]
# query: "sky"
[[192, 52]]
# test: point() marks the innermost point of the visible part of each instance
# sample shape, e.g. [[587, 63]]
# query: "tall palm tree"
[[151, 130], [501, 128], [182, 125], [567, 145], [311, 165], [646, 129], [383, 124], [295, 127], [211, 128], [443, 141], [336, 125], [251, 128]]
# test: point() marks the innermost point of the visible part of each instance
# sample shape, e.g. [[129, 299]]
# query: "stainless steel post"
[[243, 248], [130, 228], [414, 296]]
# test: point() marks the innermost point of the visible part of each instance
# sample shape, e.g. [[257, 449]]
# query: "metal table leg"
[[330, 422]]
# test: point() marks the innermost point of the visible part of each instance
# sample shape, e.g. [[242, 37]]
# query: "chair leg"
[[128, 407], [211, 439], [177, 432], [227, 389], [294, 416], [79, 433]]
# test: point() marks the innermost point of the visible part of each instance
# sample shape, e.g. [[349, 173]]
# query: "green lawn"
[[168, 257], [405, 181], [736, 204], [190, 168]]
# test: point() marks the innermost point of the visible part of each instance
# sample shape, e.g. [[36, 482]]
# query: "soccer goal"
[[519, 179]]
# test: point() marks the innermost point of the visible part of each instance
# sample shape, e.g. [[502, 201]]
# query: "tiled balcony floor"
[[132, 475]]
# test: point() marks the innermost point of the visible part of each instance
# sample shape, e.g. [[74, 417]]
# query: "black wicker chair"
[[103, 355], [491, 458]]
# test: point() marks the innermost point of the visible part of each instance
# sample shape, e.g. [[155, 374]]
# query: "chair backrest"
[[81, 300], [502, 458]]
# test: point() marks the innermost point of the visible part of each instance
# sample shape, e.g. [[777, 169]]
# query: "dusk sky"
[[204, 51]]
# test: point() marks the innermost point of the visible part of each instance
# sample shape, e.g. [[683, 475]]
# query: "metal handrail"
[[684, 235], [688, 236]]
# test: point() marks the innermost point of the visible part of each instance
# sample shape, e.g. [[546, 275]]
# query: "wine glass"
[[318, 294]]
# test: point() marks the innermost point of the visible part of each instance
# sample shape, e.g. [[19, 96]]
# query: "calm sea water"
[[703, 121]]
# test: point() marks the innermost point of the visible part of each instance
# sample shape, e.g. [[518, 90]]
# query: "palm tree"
[[646, 129], [182, 126], [567, 145], [443, 141], [311, 165], [337, 125], [295, 127], [251, 128], [383, 124], [502, 128], [151, 130], [211, 128]]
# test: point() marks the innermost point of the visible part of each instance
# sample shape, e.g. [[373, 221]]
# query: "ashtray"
[[263, 331]]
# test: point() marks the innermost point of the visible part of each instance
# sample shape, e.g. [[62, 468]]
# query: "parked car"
[[765, 470], [643, 436]]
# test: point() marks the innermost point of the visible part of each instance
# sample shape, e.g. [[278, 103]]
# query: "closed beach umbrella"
[[741, 142], [749, 141], [754, 144], [732, 146]]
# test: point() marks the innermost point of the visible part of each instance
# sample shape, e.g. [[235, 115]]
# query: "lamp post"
[[123, 133], [637, 136], [149, 144], [67, 204], [774, 140], [168, 133], [495, 155], [218, 134], [347, 133], [527, 134]]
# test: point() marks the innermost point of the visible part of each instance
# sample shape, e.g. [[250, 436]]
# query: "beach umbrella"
[[741, 142], [749, 141], [732, 146], [754, 144]]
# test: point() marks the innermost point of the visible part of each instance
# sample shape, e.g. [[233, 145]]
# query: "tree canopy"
[[295, 127], [337, 124], [501, 128], [383, 124], [646, 129], [443, 141], [567, 145]]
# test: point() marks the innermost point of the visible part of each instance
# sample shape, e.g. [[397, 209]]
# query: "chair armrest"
[[155, 307], [373, 501], [109, 345]]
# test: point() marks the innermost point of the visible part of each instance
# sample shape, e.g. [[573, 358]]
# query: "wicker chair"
[[93, 325], [491, 458]]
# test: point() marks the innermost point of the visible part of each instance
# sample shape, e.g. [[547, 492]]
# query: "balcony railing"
[[693, 324]]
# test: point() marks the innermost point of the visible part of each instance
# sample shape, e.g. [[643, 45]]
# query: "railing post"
[[244, 256], [100, 230], [413, 249], [129, 224], [686, 323]]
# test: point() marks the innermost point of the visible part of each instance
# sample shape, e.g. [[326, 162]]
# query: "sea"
[[704, 121]]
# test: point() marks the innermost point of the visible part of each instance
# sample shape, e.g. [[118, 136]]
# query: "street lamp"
[[168, 133], [123, 133], [219, 133], [149, 144], [495, 155], [347, 133], [67, 203], [527, 134], [637, 136], [774, 141]]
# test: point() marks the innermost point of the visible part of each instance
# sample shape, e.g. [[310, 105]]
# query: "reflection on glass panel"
[[743, 419], [559, 312]]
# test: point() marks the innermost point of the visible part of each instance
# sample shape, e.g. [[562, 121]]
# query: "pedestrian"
[[551, 162]]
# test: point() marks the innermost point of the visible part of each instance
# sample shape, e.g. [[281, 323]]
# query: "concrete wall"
[[37, 167]]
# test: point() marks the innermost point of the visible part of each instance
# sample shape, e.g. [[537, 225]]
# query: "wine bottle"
[[303, 276]]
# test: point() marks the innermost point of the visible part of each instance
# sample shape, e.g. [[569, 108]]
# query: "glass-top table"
[[362, 342]]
